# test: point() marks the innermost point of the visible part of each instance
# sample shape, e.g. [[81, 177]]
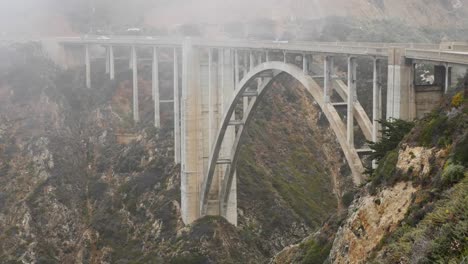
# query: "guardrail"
[[452, 57]]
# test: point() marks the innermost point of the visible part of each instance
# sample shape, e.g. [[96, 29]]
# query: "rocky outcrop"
[[419, 161], [371, 218]]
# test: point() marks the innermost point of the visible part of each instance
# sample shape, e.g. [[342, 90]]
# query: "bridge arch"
[[265, 74]]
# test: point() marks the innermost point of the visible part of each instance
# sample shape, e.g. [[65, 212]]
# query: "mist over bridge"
[[218, 76]]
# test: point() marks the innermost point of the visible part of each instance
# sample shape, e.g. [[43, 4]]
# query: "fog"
[[69, 17]]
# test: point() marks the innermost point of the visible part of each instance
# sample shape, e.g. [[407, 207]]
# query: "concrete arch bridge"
[[218, 77]]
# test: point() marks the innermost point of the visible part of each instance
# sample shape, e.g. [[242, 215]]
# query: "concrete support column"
[[107, 60], [211, 102], [111, 63], [252, 61], [221, 56], [284, 57], [130, 60], [136, 114], [155, 88], [448, 76], [305, 64], [246, 64], [411, 91], [377, 100], [177, 123], [228, 93], [245, 103], [267, 54], [191, 162], [236, 68], [400, 85], [352, 98], [259, 58], [87, 67], [328, 73]]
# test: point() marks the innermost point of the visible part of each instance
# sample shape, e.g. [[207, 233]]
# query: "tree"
[[393, 131]]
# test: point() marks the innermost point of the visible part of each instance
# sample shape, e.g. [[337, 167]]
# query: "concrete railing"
[[427, 52], [452, 57]]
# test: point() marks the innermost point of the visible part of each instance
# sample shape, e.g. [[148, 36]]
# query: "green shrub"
[[385, 172], [433, 129], [347, 198], [460, 154], [453, 174]]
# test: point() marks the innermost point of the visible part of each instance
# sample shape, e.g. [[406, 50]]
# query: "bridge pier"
[[352, 98], [155, 88], [191, 137], [134, 59], [400, 89], [376, 99], [177, 115], [229, 87], [305, 64], [247, 67], [376, 103], [328, 73], [212, 100], [206, 94], [111, 63], [107, 60], [448, 79], [87, 66]]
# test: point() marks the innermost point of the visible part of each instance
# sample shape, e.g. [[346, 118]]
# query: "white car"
[[280, 41], [103, 38], [134, 30]]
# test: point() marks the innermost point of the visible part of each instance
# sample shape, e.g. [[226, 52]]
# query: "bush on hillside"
[[452, 174]]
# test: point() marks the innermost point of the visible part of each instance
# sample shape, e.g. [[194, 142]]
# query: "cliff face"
[[80, 183]]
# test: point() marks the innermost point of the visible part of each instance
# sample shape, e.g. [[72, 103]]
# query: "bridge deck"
[[425, 52]]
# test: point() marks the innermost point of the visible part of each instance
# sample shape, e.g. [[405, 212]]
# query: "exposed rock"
[[371, 218], [419, 161]]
